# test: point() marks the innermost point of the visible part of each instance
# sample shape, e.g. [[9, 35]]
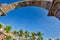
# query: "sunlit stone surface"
[[39, 3], [53, 6]]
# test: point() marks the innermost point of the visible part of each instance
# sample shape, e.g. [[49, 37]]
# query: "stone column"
[[55, 9]]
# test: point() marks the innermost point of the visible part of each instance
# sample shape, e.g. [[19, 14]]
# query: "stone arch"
[[43, 4], [39, 3]]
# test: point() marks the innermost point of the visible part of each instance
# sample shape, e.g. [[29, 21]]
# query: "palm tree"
[[8, 38], [26, 35], [15, 33], [8, 29], [33, 36], [1, 26], [20, 33], [40, 35]]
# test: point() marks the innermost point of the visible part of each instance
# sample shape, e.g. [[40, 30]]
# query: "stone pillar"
[[55, 9]]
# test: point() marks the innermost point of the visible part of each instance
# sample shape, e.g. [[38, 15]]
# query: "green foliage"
[[39, 34], [26, 33], [15, 33], [1, 26], [20, 32], [33, 36], [8, 29], [41, 38], [8, 38]]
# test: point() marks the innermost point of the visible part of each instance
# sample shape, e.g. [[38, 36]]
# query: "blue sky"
[[33, 19]]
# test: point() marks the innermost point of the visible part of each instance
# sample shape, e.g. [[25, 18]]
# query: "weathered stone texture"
[[55, 9], [4, 8]]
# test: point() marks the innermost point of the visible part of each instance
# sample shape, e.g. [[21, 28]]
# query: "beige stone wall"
[[2, 36], [6, 8]]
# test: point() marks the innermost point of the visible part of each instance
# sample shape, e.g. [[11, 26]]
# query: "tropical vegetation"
[[21, 34]]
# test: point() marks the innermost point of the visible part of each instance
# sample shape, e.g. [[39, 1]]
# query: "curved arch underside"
[[39, 3], [52, 5]]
